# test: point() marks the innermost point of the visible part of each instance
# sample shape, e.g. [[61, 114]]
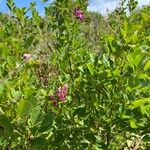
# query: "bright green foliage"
[[105, 63]]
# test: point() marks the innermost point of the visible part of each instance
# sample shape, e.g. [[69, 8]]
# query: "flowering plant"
[[59, 95], [79, 14], [105, 104]]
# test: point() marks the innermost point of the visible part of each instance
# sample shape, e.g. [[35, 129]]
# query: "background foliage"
[[105, 62]]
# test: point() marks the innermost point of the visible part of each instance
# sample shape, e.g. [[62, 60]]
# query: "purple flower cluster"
[[79, 14], [59, 95]]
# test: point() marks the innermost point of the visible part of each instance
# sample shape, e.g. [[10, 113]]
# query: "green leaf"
[[6, 124], [38, 143], [140, 102], [35, 114], [111, 44], [147, 66], [16, 94], [135, 58], [29, 91], [145, 110], [23, 108], [126, 117], [10, 4], [80, 112], [146, 17], [47, 122], [43, 92], [28, 42], [133, 123], [92, 57], [81, 68], [144, 47], [91, 68]]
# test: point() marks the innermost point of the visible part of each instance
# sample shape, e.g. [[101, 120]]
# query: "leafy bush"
[[59, 89]]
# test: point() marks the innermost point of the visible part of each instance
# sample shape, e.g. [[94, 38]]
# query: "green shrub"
[[59, 89]]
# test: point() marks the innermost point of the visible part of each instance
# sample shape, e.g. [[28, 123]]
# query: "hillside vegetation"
[[74, 79]]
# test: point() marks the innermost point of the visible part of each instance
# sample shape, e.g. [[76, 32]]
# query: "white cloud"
[[143, 2], [102, 5]]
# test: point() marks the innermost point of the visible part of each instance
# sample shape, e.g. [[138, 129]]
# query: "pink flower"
[[60, 94], [79, 14], [26, 56]]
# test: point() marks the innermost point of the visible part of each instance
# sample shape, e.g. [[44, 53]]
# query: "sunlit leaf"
[[140, 102]]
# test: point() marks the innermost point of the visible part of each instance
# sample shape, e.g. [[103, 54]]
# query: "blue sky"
[[24, 3], [95, 5]]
